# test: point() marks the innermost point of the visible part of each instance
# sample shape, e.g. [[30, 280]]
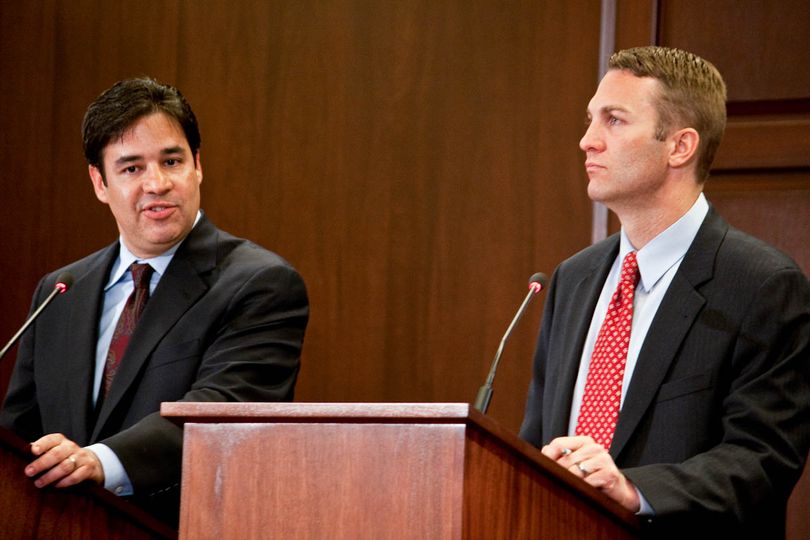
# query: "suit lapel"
[[78, 344], [179, 288], [680, 307], [581, 304]]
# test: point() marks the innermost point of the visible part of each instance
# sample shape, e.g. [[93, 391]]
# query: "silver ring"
[[584, 470], [566, 451]]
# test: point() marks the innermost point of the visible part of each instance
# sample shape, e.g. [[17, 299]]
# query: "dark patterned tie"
[[141, 274], [603, 387]]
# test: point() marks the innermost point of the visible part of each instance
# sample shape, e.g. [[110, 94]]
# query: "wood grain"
[[376, 471]]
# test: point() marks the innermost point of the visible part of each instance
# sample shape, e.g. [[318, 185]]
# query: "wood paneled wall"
[[416, 161]]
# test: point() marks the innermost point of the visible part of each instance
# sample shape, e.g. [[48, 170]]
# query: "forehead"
[[153, 130], [620, 89]]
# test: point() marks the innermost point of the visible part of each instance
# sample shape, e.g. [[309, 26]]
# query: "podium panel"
[[308, 470]]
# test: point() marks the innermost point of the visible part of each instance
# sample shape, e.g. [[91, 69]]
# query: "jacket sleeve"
[[765, 438]]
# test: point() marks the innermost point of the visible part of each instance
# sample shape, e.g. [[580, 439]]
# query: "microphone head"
[[64, 282], [537, 282]]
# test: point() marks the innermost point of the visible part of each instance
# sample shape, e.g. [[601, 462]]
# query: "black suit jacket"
[[225, 323], [715, 426]]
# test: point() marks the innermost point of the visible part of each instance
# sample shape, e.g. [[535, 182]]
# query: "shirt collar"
[[126, 258], [669, 247]]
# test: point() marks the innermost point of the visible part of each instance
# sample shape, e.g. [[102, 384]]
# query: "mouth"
[[158, 210], [592, 167]]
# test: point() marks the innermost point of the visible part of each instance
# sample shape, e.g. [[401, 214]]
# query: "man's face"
[[152, 184], [624, 161]]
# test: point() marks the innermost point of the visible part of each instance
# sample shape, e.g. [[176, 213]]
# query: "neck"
[[643, 222]]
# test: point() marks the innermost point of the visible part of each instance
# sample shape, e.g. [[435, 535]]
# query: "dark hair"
[[119, 107], [693, 94]]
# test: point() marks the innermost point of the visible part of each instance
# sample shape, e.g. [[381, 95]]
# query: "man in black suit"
[[709, 425], [224, 320]]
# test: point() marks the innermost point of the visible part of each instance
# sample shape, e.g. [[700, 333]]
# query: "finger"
[[64, 468], [80, 474], [601, 479], [581, 468], [45, 443], [555, 452], [562, 447], [615, 485], [569, 457], [47, 461], [52, 457]]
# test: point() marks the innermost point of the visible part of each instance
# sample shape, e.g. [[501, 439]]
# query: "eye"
[[132, 169], [613, 121], [172, 162]]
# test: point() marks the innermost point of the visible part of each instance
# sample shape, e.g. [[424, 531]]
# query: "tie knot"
[[141, 274], [630, 269]]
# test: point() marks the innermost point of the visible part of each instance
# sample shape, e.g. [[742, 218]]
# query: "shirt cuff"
[[645, 509], [115, 477]]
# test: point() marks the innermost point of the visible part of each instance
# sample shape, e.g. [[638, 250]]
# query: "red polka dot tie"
[[141, 274], [603, 386]]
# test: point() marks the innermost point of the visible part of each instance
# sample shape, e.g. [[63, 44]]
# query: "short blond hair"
[[693, 95]]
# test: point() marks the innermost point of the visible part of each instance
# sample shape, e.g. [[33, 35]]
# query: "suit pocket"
[[174, 352], [686, 385]]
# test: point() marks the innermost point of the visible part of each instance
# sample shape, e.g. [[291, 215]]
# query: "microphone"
[[536, 284], [63, 283]]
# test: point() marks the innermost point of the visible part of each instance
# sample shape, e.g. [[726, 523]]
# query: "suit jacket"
[[225, 323], [714, 429]]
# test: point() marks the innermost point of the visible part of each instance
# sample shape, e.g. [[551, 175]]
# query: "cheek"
[[122, 198]]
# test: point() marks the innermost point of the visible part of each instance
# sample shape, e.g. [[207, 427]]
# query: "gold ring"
[[73, 460]]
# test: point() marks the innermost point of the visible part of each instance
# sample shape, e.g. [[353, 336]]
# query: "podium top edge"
[[246, 412]]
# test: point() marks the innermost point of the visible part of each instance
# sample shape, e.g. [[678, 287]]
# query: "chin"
[[596, 194]]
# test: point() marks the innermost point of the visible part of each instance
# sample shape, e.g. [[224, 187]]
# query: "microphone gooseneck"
[[536, 284], [63, 283]]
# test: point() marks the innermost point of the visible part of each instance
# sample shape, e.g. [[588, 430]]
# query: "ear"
[[685, 143], [99, 185], [198, 168]]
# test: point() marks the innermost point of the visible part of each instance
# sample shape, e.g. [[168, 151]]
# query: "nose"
[[591, 140], [156, 180]]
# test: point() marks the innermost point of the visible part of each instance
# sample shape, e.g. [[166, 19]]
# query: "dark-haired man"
[[176, 309], [672, 366]]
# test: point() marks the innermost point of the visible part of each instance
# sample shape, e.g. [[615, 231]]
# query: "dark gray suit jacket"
[[715, 426], [225, 323]]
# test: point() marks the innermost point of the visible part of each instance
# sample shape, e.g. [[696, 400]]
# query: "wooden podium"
[[375, 470], [82, 512]]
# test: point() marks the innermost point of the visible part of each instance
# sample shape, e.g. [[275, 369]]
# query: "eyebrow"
[[172, 150], [609, 109], [127, 159]]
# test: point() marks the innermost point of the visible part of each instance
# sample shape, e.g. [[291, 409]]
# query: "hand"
[[591, 462], [63, 463]]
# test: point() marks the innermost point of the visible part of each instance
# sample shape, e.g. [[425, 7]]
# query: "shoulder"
[[208, 247], [243, 255], [750, 255], [80, 268], [744, 261], [743, 275], [243, 264], [723, 254]]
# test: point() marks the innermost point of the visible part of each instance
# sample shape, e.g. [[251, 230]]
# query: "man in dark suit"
[[224, 320], [686, 395]]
